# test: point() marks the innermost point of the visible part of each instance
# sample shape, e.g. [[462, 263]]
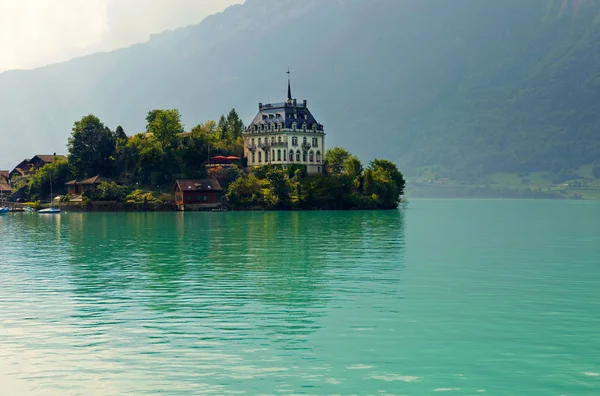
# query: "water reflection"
[[220, 296], [227, 262]]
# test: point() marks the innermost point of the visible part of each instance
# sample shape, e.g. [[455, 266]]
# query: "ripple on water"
[[319, 303]]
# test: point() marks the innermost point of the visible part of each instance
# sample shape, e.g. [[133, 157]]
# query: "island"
[[277, 162]]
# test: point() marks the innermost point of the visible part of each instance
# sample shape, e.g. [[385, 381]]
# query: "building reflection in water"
[[274, 273]]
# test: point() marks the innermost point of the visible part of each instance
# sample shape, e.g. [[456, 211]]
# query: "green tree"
[[120, 155], [279, 188], [393, 172], [353, 167], [56, 173], [144, 157], [235, 126], [192, 153], [335, 160], [111, 191], [222, 128], [91, 148], [120, 134], [245, 191], [165, 126]]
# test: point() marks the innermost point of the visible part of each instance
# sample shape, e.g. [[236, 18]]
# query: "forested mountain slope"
[[463, 87]]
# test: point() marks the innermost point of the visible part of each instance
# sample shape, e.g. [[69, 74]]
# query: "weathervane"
[[289, 97]]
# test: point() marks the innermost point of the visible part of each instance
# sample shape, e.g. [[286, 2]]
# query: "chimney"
[[295, 103], [305, 103], [260, 106]]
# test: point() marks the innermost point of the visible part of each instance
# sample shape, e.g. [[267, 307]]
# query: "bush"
[[140, 196], [111, 191]]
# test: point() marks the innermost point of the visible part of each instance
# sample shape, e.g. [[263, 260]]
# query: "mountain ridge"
[[466, 89]]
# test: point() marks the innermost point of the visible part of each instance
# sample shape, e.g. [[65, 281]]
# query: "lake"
[[461, 297]]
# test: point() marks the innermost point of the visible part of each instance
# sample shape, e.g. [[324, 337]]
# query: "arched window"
[[294, 126], [304, 140], [267, 156], [259, 140], [304, 156], [279, 155], [298, 156], [259, 156], [312, 156], [284, 154], [253, 141], [279, 139], [273, 157], [253, 157], [272, 139], [304, 127], [291, 156], [318, 156]]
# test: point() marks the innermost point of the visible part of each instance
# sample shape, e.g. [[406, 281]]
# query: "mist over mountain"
[[464, 87]]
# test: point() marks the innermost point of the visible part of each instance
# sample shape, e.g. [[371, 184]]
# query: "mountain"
[[464, 88]]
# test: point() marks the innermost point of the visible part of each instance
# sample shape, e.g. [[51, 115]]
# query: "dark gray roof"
[[287, 113], [197, 185], [48, 158]]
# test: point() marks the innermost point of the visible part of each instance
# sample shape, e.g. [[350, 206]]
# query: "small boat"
[[49, 211], [4, 210]]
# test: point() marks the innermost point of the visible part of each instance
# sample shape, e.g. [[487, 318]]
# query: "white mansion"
[[285, 134]]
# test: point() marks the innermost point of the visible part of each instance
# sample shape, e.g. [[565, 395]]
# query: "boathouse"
[[196, 195]]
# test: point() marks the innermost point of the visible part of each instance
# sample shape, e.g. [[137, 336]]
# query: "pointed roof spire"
[[289, 96]]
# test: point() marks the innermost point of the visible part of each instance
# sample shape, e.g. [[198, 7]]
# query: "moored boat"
[[49, 211]]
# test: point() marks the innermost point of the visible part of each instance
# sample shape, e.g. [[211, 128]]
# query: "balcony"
[[264, 145], [306, 146], [279, 144]]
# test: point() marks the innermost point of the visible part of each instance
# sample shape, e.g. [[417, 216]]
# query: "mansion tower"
[[285, 134]]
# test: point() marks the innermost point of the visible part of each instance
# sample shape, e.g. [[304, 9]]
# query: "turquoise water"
[[462, 297]]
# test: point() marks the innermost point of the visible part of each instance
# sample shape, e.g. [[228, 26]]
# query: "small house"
[[5, 189], [197, 194], [41, 159], [21, 170], [4, 176], [24, 168], [79, 187]]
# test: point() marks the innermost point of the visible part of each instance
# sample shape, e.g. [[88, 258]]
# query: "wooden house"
[[4, 176], [198, 194], [24, 168], [5, 189], [21, 170], [79, 187]]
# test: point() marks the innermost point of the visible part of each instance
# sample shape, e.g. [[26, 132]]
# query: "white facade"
[[285, 134]]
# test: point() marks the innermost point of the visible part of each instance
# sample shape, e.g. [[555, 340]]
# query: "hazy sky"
[[37, 32]]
